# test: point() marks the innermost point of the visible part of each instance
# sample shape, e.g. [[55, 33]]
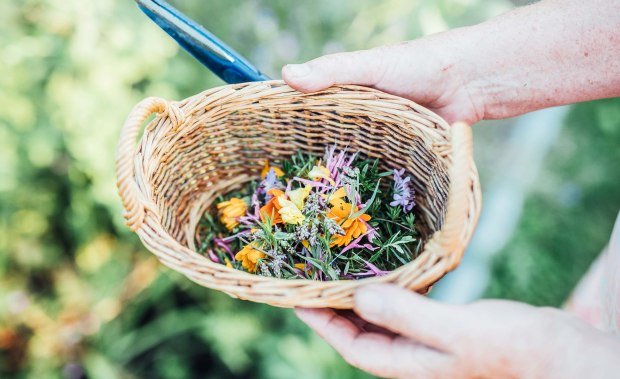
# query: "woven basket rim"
[[176, 113]]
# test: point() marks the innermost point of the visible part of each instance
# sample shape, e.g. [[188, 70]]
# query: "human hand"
[[486, 339], [416, 70], [518, 62]]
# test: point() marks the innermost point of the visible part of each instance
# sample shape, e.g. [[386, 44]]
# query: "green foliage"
[[568, 220]]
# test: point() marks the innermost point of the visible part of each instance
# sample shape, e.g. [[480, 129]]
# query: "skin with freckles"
[[551, 53]]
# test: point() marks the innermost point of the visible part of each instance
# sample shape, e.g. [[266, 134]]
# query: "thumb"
[[365, 67], [407, 313]]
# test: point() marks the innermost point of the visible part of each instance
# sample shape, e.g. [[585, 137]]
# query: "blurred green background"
[[80, 296]]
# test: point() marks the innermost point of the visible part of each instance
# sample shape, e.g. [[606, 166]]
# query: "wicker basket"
[[214, 142]]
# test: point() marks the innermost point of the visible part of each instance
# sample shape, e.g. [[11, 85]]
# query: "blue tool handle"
[[226, 63]]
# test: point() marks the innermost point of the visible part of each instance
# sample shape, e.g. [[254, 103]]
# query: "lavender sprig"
[[403, 193]]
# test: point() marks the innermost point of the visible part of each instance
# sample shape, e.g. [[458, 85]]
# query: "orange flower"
[[277, 170], [353, 228], [270, 210], [249, 257], [340, 209], [340, 212], [230, 211]]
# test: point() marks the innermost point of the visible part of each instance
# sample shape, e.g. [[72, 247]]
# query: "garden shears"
[[209, 50]]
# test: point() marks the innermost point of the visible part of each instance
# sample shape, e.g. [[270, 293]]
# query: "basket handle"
[[133, 200], [460, 187]]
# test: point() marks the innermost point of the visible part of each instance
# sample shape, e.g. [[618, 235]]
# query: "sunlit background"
[[80, 296]]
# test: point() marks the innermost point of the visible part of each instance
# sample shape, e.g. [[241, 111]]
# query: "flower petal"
[[320, 172], [298, 196]]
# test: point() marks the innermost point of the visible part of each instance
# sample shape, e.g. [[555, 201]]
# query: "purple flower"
[[336, 163], [403, 193], [232, 237], [355, 244], [271, 181], [222, 244], [213, 257], [372, 271], [312, 183]]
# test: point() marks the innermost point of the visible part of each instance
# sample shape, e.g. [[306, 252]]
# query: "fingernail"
[[369, 300], [298, 70]]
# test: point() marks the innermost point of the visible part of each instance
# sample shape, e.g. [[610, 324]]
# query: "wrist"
[[574, 349], [461, 64], [501, 78], [497, 87], [453, 77]]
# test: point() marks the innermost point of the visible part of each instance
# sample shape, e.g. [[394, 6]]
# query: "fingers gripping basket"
[[213, 142]]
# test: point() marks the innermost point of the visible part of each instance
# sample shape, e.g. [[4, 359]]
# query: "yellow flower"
[[339, 194], [249, 257], [230, 211], [336, 195], [302, 267], [228, 264], [289, 211], [340, 209], [266, 168], [298, 196], [320, 172]]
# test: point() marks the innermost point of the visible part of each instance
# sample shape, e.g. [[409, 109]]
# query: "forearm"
[[586, 354], [551, 53]]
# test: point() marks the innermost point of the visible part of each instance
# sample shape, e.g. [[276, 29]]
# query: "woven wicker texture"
[[213, 142]]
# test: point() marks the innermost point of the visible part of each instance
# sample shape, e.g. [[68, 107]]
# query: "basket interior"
[[217, 149]]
